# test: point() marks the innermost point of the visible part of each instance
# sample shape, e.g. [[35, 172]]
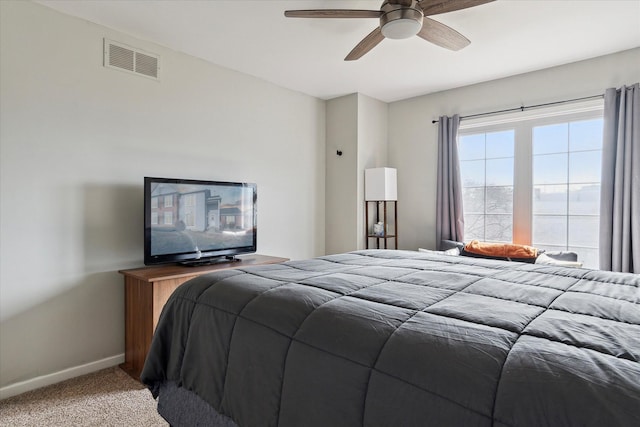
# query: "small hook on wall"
[[339, 152]]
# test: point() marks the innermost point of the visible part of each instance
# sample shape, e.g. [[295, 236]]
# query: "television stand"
[[210, 261], [147, 289]]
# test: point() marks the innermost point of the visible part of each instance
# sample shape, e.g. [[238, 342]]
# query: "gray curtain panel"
[[449, 213], [620, 193]]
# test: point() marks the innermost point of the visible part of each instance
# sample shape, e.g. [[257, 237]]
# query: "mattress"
[[403, 338]]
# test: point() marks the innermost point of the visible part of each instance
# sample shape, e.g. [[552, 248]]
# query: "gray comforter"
[[400, 338]]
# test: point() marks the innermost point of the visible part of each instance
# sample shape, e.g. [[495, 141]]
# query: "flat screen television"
[[197, 222]]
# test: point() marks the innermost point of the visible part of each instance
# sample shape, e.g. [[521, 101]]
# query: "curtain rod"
[[523, 107]]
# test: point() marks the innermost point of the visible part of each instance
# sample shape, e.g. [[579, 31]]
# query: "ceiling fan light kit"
[[400, 22], [401, 19]]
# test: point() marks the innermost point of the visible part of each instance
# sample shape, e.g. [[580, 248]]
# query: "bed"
[[399, 338]]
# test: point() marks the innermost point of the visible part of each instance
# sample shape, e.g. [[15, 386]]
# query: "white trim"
[[56, 377], [533, 114]]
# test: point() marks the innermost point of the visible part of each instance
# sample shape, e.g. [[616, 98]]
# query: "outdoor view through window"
[[557, 166]]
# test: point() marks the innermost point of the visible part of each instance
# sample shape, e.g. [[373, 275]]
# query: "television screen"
[[195, 222]]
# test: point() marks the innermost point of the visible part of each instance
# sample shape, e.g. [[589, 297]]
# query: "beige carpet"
[[106, 398]]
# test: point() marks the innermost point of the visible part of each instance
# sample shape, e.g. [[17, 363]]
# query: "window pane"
[[473, 227], [550, 139], [471, 147], [585, 166], [583, 231], [499, 228], [587, 256], [550, 169], [549, 230], [585, 135], [499, 200], [473, 200], [549, 199], [472, 173], [500, 144], [584, 199], [500, 172]]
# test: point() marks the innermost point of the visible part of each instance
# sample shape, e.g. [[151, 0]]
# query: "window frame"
[[522, 124]]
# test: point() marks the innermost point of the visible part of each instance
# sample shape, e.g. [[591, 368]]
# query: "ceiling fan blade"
[[442, 35], [365, 45], [332, 13], [435, 7]]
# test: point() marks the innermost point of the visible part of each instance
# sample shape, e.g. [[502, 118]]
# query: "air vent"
[[129, 59]]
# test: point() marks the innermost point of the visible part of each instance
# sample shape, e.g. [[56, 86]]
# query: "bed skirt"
[[181, 407]]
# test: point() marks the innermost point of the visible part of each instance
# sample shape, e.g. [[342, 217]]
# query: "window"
[[486, 165], [189, 200], [168, 218], [534, 178], [566, 187], [168, 201]]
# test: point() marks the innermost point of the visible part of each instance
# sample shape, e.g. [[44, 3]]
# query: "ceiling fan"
[[401, 19]]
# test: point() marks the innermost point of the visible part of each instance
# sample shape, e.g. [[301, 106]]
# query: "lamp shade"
[[380, 184]]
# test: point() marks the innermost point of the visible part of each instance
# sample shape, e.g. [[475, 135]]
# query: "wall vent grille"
[[129, 59]]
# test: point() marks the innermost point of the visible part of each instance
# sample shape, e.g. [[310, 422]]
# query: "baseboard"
[[56, 377]]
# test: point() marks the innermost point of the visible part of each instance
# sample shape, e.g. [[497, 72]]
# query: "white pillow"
[[452, 251], [547, 260]]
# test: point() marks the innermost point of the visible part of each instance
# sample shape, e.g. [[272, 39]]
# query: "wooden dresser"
[[146, 292]]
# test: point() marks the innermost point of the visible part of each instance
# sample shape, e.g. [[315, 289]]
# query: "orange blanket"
[[506, 250]]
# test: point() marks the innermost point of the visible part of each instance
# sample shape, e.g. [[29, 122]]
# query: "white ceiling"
[[507, 37]]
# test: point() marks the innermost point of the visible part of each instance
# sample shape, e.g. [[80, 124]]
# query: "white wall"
[[341, 174], [413, 139], [357, 126], [76, 141], [373, 120]]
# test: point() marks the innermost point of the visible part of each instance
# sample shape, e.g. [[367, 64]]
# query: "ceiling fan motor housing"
[[400, 22]]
